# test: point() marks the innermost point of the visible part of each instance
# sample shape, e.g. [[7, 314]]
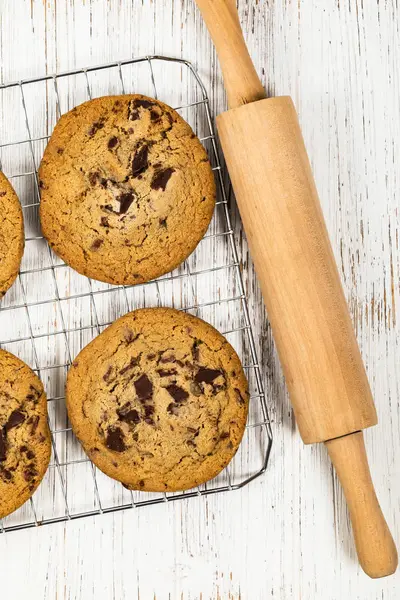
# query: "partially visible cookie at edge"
[[159, 400], [11, 235], [25, 445], [127, 190]]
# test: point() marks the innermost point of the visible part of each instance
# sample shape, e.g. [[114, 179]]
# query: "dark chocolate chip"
[[128, 415], [154, 115], [148, 411], [224, 435], [104, 222], [141, 483], [115, 439], [107, 374], [151, 356], [130, 336], [2, 194], [15, 419], [177, 393], [166, 372], [95, 128], [93, 178], [30, 455], [34, 421], [144, 387], [112, 142], [167, 359], [173, 408], [6, 473], [60, 150], [149, 421], [139, 103], [207, 375], [162, 222], [23, 449], [42, 185], [195, 350], [140, 161], [96, 244], [125, 201], [161, 178], [132, 363], [240, 398], [3, 447]]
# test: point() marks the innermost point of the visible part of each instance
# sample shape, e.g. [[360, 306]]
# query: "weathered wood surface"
[[287, 535]]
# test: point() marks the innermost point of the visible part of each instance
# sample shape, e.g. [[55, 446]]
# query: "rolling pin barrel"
[[290, 247]]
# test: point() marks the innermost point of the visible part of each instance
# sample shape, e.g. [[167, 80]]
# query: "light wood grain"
[[339, 61]]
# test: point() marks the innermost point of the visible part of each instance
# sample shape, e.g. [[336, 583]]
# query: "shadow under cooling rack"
[[52, 312]]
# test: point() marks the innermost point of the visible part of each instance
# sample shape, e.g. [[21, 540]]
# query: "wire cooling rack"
[[52, 312]]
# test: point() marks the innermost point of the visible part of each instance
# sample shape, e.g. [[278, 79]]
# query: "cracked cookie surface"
[[24, 434], [11, 235], [127, 190], [159, 400]]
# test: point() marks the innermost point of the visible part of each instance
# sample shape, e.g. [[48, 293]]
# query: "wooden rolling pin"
[[289, 243]]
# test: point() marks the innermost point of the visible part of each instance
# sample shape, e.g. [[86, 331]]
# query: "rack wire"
[[52, 312]]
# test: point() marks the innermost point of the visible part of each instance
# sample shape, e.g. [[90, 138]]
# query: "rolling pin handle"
[[375, 546]]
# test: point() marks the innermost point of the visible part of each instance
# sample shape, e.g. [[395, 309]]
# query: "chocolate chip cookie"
[[11, 235], [159, 400], [24, 433], [127, 190]]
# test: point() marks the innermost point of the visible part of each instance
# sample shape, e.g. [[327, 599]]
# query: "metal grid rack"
[[48, 328]]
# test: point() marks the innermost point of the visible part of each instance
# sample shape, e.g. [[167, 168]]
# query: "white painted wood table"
[[287, 534]]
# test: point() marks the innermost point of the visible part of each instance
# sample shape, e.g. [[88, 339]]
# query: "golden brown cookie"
[[127, 191], [24, 433], [159, 400], [11, 235]]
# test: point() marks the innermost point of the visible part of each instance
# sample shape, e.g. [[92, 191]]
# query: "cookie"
[[159, 400], [127, 190], [11, 235], [24, 433]]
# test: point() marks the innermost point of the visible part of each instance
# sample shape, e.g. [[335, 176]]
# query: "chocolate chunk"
[[140, 161], [3, 447], [139, 103], [162, 222], [224, 435], [107, 374], [95, 127], [144, 387], [60, 151], [104, 222], [132, 363], [34, 421], [93, 178], [41, 185], [23, 449], [2, 194], [166, 373], [167, 359], [112, 142], [151, 356], [154, 115], [130, 336], [30, 455], [191, 443], [141, 483], [148, 411], [30, 472], [195, 350], [161, 178], [195, 389], [177, 393], [115, 439], [128, 415], [15, 419], [6, 474], [173, 408], [34, 395], [207, 375], [240, 398], [96, 244], [125, 201]]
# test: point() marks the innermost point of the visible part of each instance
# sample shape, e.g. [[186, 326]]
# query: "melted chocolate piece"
[[144, 387], [154, 115], [224, 435], [107, 374], [207, 375], [34, 421], [160, 179], [140, 161], [15, 419], [177, 393], [125, 201], [240, 398], [95, 128], [3, 447], [112, 142], [133, 362], [166, 372], [96, 244], [173, 408], [128, 415], [104, 222], [115, 439]]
